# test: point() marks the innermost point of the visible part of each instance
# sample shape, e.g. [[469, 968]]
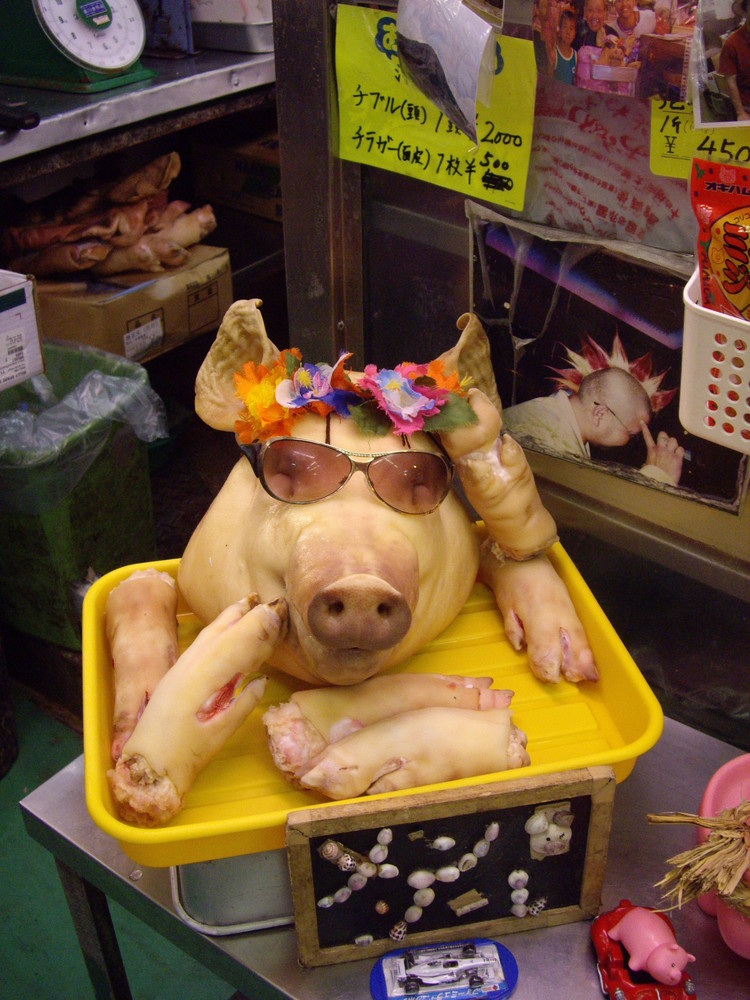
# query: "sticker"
[[386, 122], [143, 339]]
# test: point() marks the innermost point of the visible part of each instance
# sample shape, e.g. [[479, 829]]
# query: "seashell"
[[398, 931], [387, 871], [448, 873], [518, 878], [423, 897], [519, 895], [385, 836], [467, 862], [443, 843], [538, 905], [325, 902], [367, 868], [492, 831], [481, 848], [347, 862], [519, 910], [378, 854], [330, 850], [381, 907], [420, 878], [364, 939], [412, 914], [356, 881], [341, 895]]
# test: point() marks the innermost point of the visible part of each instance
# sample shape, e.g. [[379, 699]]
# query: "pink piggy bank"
[[651, 945]]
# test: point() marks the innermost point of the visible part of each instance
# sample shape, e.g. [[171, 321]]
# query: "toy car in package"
[[720, 196], [471, 968]]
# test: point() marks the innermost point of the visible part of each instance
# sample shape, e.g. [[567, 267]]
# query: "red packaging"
[[720, 196]]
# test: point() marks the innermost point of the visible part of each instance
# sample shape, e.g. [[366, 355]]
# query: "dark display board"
[[476, 860]]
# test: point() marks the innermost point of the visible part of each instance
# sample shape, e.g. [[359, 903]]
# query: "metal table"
[[553, 962]]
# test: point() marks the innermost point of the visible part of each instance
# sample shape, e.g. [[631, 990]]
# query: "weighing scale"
[[81, 46]]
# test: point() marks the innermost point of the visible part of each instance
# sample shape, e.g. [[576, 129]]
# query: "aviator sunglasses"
[[297, 471]]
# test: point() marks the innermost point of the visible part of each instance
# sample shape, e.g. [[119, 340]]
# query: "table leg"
[[96, 935]]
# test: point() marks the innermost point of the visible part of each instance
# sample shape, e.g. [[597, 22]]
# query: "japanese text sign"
[[675, 140], [385, 121]]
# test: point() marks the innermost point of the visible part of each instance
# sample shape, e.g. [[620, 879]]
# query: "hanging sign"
[[387, 122]]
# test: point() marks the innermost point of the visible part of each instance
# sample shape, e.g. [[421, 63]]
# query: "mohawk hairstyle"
[[594, 358]]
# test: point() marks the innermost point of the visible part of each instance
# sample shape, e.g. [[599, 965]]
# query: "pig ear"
[[242, 337], [471, 356]]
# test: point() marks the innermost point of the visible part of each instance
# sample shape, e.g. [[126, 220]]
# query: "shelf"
[[184, 92]]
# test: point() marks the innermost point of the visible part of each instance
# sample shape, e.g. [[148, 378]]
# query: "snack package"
[[720, 196]]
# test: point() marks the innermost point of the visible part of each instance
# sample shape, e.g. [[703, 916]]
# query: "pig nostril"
[[336, 607], [384, 610]]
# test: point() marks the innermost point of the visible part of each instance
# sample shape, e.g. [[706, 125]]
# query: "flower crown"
[[403, 399]]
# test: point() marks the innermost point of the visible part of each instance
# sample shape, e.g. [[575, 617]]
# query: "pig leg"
[[141, 626], [198, 705], [538, 614], [418, 747], [499, 483], [304, 726]]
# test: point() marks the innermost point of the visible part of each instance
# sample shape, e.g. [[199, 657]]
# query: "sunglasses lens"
[[301, 471], [414, 482]]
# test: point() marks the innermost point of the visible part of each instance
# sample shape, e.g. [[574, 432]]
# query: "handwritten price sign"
[[675, 140], [387, 122]]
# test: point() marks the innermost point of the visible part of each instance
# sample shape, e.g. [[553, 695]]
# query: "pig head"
[[366, 585]]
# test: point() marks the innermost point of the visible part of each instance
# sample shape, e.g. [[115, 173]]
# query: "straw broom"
[[716, 865]]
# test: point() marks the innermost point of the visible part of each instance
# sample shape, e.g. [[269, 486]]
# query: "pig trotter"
[[538, 615], [417, 747], [141, 626], [197, 706]]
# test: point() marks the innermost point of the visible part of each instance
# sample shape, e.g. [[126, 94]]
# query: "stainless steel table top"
[[554, 962]]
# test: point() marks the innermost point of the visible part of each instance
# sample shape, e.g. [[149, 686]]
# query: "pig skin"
[[141, 626], [301, 728], [418, 747], [196, 707]]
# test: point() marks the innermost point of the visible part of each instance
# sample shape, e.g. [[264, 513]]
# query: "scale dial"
[[106, 36]]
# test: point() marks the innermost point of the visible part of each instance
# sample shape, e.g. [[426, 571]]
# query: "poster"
[[616, 48], [564, 312]]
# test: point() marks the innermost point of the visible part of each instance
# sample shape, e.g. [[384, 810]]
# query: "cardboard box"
[[231, 11], [20, 348], [139, 319], [246, 176]]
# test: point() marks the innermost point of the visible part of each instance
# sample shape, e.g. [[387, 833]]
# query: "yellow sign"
[[385, 121], [675, 140]]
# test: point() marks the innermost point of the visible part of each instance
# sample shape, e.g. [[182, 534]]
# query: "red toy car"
[[618, 982]]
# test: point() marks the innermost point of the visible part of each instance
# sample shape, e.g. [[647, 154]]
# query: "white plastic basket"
[[715, 382]]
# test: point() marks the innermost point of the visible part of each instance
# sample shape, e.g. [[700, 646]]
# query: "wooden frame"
[[476, 837]]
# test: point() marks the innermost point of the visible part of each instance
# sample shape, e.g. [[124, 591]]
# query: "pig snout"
[[360, 611]]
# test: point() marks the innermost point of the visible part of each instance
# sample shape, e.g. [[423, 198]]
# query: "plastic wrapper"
[[720, 195], [59, 422], [447, 49]]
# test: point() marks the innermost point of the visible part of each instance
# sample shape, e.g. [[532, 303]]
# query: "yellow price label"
[[387, 122], [675, 140]]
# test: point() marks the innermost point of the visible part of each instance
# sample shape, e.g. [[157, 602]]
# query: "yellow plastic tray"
[[239, 802]]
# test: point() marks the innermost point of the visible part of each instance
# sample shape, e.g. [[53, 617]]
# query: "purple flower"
[[399, 398]]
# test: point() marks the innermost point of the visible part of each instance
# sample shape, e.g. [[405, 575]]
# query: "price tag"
[[671, 138], [675, 140], [385, 121]]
